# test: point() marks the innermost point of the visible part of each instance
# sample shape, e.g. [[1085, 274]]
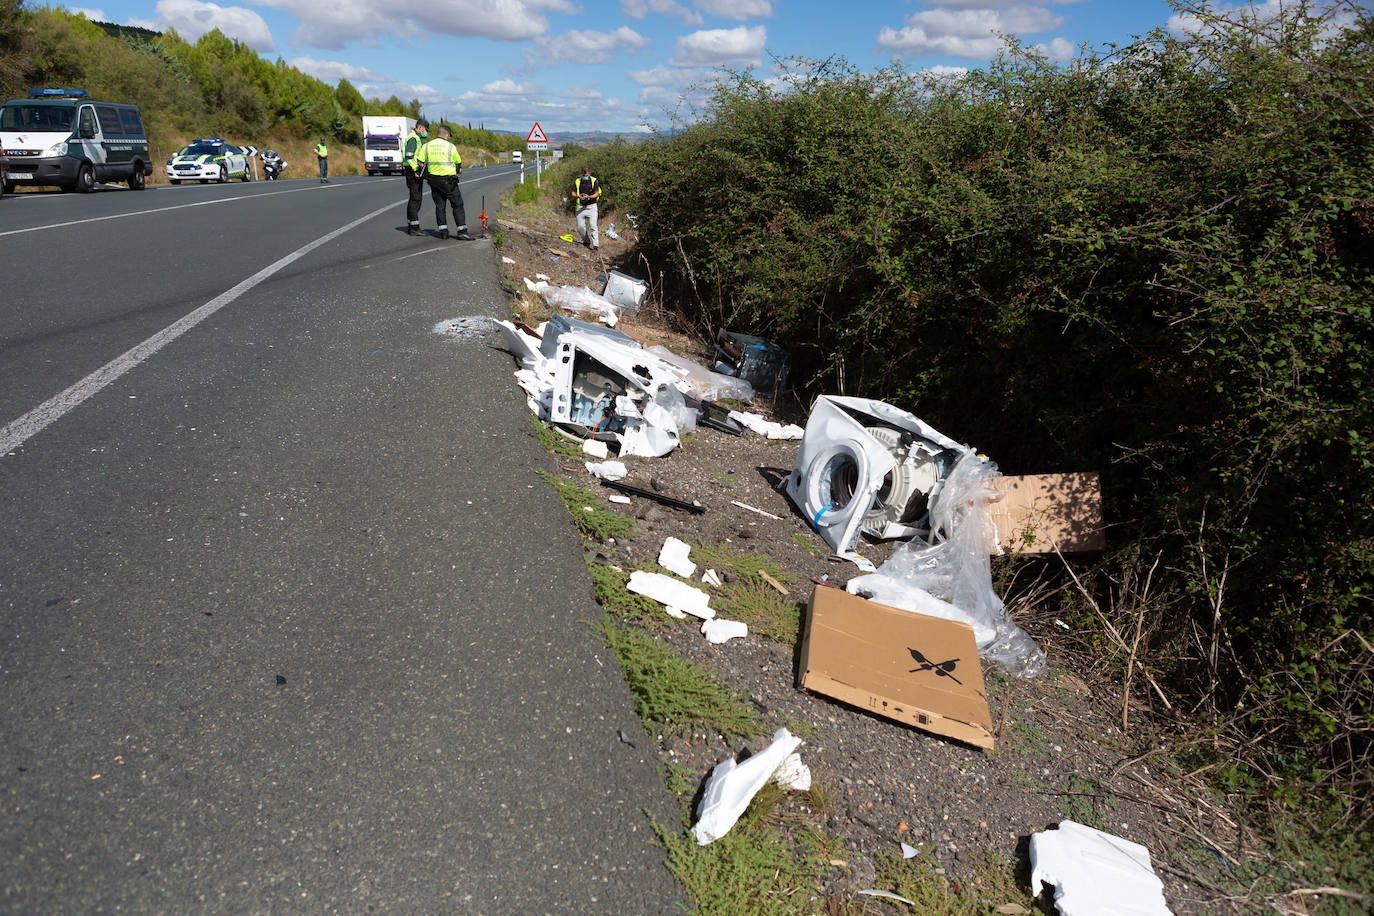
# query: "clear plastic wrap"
[[703, 384], [951, 575]]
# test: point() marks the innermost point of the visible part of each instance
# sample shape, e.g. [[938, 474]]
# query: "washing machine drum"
[[904, 496]]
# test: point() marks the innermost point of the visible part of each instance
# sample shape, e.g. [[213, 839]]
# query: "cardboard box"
[[920, 670], [1043, 511]]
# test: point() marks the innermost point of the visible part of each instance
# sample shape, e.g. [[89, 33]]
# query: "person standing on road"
[[414, 172], [587, 191], [442, 165], [322, 154]]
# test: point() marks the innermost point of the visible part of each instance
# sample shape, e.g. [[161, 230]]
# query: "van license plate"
[[22, 176]]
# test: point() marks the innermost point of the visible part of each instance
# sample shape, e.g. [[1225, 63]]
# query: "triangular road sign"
[[537, 135]]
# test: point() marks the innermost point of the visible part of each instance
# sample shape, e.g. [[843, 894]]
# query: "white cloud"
[[93, 15], [963, 30], [509, 88], [638, 9], [193, 18], [736, 9], [331, 70], [946, 72], [583, 47], [1059, 49], [427, 95], [739, 47], [333, 23]]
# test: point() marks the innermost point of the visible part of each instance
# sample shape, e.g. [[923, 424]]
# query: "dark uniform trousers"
[[415, 187], [445, 188]]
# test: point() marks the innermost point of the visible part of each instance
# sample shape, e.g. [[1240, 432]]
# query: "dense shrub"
[[1153, 262]]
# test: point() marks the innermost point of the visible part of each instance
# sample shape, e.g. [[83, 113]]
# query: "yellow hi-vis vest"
[[321, 150], [410, 150], [441, 158], [586, 185]]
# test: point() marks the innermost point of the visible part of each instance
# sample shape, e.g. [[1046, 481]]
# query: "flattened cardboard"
[[920, 670], [1042, 511]]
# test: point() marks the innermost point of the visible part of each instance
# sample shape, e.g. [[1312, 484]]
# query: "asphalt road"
[[287, 621]]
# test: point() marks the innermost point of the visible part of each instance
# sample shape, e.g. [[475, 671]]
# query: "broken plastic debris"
[[595, 448], [544, 277], [506, 260], [610, 232], [909, 852], [711, 577], [576, 299], [672, 593], [1095, 873], [673, 556], [625, 291], [607, 470], [767, 428], [886, 895], [732, 785], [618, 499], [718, 630]]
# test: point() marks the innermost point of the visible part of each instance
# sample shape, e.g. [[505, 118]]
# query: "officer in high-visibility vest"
[[322, 153], [442, 164], [587, 191], [414, 172]]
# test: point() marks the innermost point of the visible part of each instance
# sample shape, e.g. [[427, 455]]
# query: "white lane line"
[[50, 411], [201, 203]]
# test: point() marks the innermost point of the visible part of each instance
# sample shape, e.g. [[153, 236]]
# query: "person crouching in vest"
[[414, 172], [586, 191], [442, 165]]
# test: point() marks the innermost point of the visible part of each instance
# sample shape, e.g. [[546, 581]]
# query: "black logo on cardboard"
[[941, 669]]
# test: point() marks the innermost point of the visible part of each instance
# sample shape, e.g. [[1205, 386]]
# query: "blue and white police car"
[[208, 159]]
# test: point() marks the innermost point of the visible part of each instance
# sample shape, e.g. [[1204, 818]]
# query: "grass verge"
[[672, 695], [589, 517]]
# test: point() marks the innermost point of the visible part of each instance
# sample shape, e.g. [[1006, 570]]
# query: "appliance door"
[[837, 474]]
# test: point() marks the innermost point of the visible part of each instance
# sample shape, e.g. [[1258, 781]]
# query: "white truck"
[[382, 139], [515, 156]]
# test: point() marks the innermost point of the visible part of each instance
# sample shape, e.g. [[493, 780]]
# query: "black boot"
[[414, 230]]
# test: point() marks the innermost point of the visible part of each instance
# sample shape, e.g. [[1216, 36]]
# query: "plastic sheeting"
[[577, 299], [702, 383], [951, 575], [732, 785]]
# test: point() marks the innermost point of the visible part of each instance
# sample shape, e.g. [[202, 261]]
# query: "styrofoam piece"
[[607, 470], [671, 592], [524, 347], [619, 499], [1095, 873], [711, 577], [596, 448], [768, 428], [673, 556], [792, 774], [732, 785], [719, 630]]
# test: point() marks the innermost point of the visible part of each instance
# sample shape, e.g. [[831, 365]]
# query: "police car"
[[208, 159]]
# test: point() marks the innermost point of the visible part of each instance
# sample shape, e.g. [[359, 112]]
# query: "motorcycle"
[[273, 165]]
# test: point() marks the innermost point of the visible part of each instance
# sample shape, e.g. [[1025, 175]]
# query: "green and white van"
[[59, 137]]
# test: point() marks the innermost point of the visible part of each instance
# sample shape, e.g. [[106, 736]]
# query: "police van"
[[60, 137]]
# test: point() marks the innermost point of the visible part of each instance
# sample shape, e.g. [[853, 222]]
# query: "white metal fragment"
[[671, 592], [1095, 873], [607, 470], [732, 785], [673, 556], [711, 577], [718, 630]]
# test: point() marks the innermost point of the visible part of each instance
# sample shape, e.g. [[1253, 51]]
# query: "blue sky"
[[618, 65]]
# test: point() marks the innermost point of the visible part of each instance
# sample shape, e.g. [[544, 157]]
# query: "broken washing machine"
[[866, 466]]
